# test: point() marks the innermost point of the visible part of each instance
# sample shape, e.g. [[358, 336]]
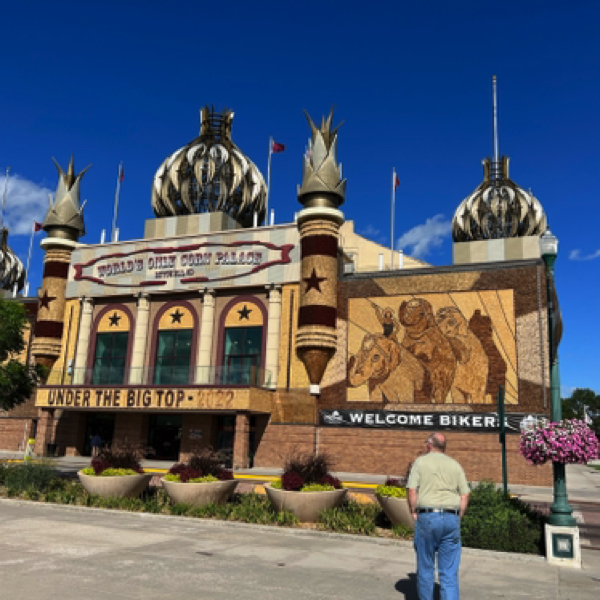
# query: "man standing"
[[438, 495], [96, 444]]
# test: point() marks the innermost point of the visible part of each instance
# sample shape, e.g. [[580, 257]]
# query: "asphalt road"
[[50, 552]]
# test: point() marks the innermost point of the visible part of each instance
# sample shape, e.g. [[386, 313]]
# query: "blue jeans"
[[438, 533]]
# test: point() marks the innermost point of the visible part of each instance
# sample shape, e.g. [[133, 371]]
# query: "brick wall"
[[130, 427], [12, 432], [279, 440], [197, 422], [391, 452]]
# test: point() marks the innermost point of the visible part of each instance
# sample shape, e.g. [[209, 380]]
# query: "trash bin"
[[50, 449]]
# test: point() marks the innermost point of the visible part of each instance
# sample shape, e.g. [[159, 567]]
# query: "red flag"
[[396, 181], [277, 148], [37, 226], [122, 176]]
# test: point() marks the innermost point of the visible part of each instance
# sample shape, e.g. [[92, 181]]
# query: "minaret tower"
[[64, 225], [322, 193]]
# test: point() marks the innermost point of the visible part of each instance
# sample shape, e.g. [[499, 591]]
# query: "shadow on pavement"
[[408, 587]]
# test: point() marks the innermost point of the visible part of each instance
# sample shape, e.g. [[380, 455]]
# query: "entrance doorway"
[[164, 436], [102, 424]]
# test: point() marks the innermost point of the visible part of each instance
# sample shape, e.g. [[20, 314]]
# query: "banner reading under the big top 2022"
[[487, 422]]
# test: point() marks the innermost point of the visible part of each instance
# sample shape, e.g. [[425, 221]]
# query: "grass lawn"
[[597, 467]]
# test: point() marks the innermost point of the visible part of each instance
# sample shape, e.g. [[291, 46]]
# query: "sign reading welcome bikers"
[[454, 421]]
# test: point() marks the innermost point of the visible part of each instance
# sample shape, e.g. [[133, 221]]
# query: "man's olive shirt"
[[439, 481]]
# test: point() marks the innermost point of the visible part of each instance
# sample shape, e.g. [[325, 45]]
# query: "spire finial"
[[496, 158]]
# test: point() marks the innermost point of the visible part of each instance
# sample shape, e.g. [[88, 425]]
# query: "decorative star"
[[314, 282], [46, 299], [245, 313], [176, 316], [114, 320]]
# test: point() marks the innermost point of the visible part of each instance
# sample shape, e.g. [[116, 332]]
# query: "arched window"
[[243, 342], [174, 344], [111, 346]]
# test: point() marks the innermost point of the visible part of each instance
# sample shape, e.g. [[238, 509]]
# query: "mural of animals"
[[450, 348]]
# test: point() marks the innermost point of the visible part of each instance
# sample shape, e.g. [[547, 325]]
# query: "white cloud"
[[370, 231], [576, 255], [26, 202], [423, 238]]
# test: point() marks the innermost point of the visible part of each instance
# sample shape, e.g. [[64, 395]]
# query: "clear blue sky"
[[123, 81]]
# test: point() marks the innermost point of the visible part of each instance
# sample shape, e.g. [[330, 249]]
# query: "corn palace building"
[[219, 330]]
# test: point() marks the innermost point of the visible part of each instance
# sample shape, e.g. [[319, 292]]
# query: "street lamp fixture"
[[561, 513]]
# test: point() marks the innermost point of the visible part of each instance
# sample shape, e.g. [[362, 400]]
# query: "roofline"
[[487, 266]]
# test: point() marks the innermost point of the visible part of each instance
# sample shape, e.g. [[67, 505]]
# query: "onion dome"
[[210, 174], [498, 208], [64, 218], [12, 271]]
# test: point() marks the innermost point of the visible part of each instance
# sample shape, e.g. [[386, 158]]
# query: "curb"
[[491, 554]]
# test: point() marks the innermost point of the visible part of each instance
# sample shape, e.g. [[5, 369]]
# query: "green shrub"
[[403, 532], [3, 469], [253, 508], [495, 522], [391, 491], [177, 478], [350, 517], [110, 472], [38, 476], [317, 487], [309, 487]]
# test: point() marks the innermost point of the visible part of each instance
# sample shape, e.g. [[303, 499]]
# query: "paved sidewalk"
[[51, 551]]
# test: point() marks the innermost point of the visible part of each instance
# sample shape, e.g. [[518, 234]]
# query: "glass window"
[[109, 358], [243, 348], [173, 353]]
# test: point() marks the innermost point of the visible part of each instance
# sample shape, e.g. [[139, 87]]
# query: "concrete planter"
[[214, 492], [397, 510], [118, 486], [305, 505]]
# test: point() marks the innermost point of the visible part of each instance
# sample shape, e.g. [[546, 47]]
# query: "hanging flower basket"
[[569, 441]]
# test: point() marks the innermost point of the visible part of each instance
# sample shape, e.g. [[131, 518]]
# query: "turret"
[[64, 225], [321, 194]]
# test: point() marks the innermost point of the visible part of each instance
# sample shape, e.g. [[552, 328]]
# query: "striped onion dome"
[[498, 208], [210, 174], [12, 271]]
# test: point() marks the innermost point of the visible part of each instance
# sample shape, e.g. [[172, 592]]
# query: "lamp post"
[[560, 511]]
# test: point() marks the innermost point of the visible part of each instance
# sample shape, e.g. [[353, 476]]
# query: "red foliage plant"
[[331, 480], [392, 482], [189, 473], [100, 464], [202, 462], [225, 475], [291, 481]]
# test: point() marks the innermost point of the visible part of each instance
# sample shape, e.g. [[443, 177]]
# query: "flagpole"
[[29, 253], [268, 181], [4, 197], [113, 232], [393, 216]]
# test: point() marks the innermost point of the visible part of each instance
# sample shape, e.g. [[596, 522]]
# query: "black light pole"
[[560, 512]]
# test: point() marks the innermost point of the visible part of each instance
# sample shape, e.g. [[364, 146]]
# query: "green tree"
[[17, 380], [573, 407]]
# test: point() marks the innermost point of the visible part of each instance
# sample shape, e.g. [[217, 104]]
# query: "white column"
[[83, 340], [204, 372], [140, 338], [273, 336]]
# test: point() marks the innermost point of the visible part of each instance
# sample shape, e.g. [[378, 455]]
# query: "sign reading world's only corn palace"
[[185, 263]]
